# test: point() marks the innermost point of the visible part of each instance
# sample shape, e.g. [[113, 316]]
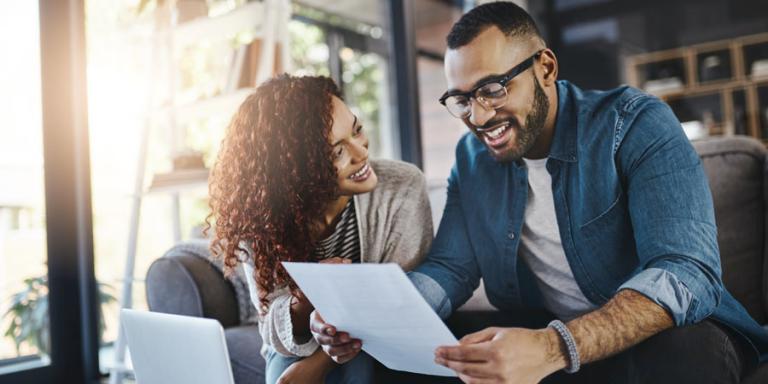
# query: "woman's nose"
[[360, 148]]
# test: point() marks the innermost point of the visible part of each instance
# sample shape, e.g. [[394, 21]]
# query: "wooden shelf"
[[714, 70], [221, 105], [249, 16], [179, 180]]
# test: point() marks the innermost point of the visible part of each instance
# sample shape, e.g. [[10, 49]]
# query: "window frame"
[[72, 296]]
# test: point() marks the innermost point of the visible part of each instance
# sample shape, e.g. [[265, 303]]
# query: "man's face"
[[511, 130]]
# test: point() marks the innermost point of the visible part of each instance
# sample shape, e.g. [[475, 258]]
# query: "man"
[[590, 205]]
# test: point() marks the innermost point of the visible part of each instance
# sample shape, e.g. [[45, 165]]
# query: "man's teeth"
[[496, 133], [359, 173]]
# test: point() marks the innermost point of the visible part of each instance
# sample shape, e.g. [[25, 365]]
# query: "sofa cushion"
[[244, 346], [758, 376], [735, 167]]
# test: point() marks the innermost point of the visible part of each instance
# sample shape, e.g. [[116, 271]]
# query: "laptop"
[[176, 349]]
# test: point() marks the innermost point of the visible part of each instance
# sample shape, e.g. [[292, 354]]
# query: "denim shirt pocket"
[[608, 246], [599, 218]]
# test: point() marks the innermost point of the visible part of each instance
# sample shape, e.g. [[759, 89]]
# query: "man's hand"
[[504, 355], [310, 370], [338, 345]]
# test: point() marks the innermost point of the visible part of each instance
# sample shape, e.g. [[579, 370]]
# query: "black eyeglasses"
[[490, 94]]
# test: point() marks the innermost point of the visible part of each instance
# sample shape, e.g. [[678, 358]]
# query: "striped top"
[[344, 242]]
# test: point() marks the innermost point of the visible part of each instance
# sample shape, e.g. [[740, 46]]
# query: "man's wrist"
[[570, 349], [556, 352]]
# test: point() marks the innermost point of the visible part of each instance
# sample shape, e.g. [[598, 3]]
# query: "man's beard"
[[526, 135]]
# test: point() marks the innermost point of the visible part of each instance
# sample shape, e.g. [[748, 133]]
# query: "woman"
[[293, 182]]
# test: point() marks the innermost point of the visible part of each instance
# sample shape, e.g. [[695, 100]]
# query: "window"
[[23, 253], [46, 280], [440, 131]]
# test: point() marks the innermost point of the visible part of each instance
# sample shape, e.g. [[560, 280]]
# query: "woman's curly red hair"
[[274, 177]]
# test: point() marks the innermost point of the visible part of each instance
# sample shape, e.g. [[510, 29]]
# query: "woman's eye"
[[358, 130], [339, 151]]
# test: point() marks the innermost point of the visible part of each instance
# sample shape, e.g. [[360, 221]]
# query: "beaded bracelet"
[[570, 344]]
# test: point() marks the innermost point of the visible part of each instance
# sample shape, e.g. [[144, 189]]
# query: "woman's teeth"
[[360, 173]]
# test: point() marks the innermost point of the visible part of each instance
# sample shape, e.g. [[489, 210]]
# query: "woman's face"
[[350, 152]]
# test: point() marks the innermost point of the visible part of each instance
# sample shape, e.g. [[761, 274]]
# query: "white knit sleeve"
[[275, 324]]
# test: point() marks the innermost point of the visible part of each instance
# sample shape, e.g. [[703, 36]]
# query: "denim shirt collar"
[[563, 146]]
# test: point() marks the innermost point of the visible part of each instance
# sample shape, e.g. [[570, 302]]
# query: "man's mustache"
[[512, 124]]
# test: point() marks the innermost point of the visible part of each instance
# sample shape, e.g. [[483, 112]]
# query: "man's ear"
[[549, 67]]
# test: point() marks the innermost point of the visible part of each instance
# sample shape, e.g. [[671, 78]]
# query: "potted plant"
[[27, 315]]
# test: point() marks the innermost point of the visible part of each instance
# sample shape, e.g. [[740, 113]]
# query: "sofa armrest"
[[736, 169], [186, 284]]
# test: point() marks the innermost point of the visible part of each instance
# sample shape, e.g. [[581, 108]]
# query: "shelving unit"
[[720, 87], [251, 64]]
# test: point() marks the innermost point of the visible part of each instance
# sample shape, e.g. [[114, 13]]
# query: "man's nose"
[[479, 115]]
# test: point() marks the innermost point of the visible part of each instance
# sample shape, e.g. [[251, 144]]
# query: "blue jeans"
[[358, 370]]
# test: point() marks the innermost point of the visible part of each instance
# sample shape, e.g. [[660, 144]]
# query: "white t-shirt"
[[542, 249]]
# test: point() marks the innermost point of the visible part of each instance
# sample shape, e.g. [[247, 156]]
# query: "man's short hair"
[[510, 18]]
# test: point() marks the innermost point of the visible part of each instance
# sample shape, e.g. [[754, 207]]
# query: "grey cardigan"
[[395, 226]]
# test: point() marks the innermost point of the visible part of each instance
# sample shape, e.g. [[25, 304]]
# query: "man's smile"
[[497, 135]]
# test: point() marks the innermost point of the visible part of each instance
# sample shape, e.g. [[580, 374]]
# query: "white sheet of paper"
[[379, 305]]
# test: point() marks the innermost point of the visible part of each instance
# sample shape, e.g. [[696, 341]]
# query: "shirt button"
[[511, 235]]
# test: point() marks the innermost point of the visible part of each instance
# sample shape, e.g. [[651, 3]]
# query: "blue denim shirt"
[[633, 207]]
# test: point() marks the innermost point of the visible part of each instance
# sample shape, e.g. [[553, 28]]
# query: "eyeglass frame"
[[501, 80]]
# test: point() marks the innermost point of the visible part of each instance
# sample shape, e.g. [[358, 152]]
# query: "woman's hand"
[[301, 308], [299, 303], [310, 370], [336, 344], [335, 260]]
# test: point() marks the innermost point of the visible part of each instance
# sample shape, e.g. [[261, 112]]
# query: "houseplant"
[[27, 315]]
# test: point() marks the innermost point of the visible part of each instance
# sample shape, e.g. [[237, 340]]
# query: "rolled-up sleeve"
[[672, 217], [432, 292], [665, 289]]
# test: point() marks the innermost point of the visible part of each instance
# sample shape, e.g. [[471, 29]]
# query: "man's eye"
[[462, 102], [358, 130], [491, 90]]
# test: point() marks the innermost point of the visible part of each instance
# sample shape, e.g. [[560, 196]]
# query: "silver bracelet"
[[570, 344]]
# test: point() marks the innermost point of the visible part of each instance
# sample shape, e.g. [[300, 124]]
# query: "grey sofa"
[[183, 281]]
